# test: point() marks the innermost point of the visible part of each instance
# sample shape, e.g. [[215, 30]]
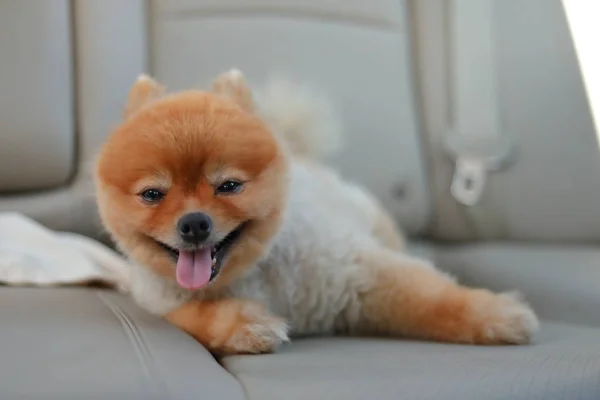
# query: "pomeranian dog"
[[239, 236]]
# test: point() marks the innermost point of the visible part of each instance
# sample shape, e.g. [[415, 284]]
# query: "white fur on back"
[[310, 275]]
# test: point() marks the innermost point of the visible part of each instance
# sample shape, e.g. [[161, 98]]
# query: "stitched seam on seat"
[[143, 354], [242, 384]]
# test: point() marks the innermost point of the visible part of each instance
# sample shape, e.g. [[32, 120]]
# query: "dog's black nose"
[[194, 227]]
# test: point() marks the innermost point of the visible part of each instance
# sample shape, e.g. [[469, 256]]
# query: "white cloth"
[[33, 255]]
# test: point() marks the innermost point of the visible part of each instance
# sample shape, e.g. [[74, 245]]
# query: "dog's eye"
[[229, 187], [152, 196]]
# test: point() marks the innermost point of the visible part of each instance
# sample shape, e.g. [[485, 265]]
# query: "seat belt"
[[475, 141]]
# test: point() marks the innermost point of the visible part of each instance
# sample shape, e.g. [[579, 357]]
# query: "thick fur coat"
[[317, 255]]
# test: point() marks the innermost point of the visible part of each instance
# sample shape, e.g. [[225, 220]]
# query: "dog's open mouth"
[[193, 265]]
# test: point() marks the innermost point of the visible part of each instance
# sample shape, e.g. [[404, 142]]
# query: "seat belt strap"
[[475, 139]]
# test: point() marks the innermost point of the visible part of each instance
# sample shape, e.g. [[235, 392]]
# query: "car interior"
[[474, 122]]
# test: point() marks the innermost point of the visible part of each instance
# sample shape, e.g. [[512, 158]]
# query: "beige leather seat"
[[64, 72]]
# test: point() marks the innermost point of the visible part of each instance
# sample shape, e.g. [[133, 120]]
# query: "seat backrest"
[[382, 62], [56, 107], [37, 129], [355, 51]]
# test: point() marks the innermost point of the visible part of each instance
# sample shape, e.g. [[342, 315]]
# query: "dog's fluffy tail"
[[303, 117]]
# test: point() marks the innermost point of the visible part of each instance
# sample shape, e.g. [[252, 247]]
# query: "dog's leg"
[[230, 326], [408, 297]]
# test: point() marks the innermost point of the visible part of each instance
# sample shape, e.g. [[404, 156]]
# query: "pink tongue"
[[193, 268]]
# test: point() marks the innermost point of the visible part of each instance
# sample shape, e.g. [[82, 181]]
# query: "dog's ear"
[[144, 91], [233, 86]]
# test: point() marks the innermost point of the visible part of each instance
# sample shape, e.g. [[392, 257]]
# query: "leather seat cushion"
[[563, 364], [92, 344], [80, 343]]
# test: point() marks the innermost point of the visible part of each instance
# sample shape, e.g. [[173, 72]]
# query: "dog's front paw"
[[253, 331], [230, 326], [502, 319]]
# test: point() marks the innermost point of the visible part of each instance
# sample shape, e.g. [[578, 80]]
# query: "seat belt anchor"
[[474, 158]]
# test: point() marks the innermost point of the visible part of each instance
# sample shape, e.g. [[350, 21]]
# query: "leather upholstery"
[[564, 364], [379, 12], [37, 123], [358, 54], [109, 53], [77, 344], [550, 120], [81, 343], [551, 191], [99, 343]]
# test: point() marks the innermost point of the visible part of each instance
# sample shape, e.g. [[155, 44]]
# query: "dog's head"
[[192, 184]]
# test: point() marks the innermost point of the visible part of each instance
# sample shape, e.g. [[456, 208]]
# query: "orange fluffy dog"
[[239, 237]]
